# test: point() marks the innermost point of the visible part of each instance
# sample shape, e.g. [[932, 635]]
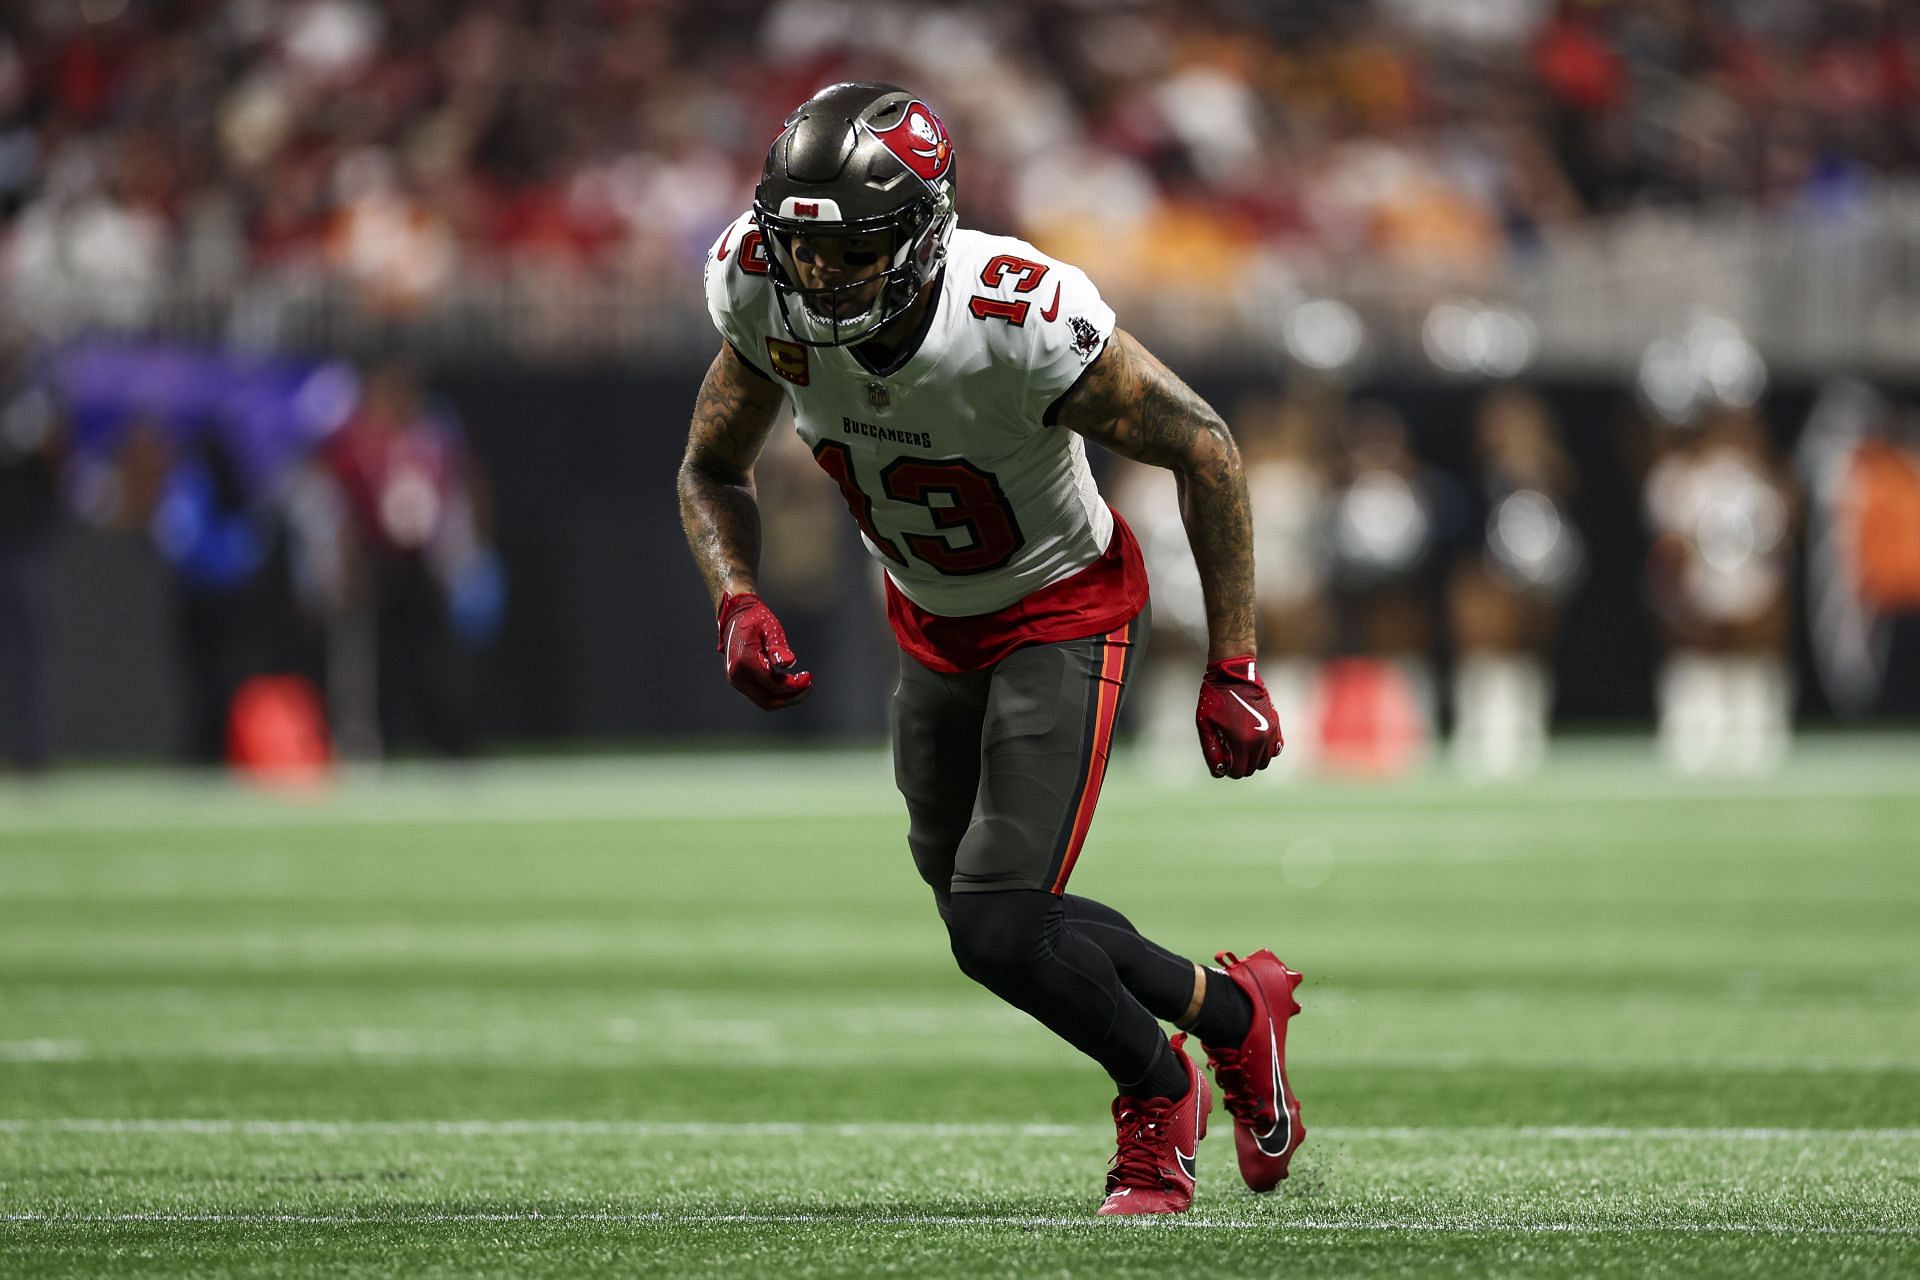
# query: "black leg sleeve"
[[1016, 944], [1156, 977]]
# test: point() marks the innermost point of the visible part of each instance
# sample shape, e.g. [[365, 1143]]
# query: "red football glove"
[[760, 663], [1239, 731]]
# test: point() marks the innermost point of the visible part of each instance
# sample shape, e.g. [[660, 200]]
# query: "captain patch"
[[789, 360]]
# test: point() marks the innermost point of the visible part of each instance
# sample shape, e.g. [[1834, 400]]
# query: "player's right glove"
[[760, 663], [1239, 731]]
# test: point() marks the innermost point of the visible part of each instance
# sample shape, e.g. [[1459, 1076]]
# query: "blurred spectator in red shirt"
[[414, 567]]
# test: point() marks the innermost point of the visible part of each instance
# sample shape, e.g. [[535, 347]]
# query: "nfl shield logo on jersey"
[[878, 396]]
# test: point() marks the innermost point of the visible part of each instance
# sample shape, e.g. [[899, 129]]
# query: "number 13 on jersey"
[[961, 498]]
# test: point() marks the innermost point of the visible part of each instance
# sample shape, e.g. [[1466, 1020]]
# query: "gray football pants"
[[1001, 770]]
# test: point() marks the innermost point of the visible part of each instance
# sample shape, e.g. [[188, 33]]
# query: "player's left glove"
[[1239, 731], [760, 662]]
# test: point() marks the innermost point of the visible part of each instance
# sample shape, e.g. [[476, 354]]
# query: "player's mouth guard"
[[819, 305], [815, 325], [900, 279]]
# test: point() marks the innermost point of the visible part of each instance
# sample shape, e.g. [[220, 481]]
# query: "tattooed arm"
[[718, 510], [1136, 406]]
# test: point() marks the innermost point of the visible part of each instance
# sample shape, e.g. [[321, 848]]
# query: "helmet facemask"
[[917, 238], [857, 159]]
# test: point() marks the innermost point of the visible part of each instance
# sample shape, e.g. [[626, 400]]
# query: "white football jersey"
[[962, 492]]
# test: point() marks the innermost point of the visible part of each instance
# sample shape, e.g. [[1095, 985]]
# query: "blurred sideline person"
[[1860, 461], [32, 446], [1883, 504], [1504, 596], [1719, 578], [394, 544], [1385, 524], [1289, 478], [1177, 623], [1283, 450], [215, 535], [946, 381]]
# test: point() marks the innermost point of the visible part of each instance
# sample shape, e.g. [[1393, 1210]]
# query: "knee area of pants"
[[933, 859], [994, 940]]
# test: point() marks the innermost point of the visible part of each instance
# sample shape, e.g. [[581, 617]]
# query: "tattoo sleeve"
[[718, 510], [1136, 406]]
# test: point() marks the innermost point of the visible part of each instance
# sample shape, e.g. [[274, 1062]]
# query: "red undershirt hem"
[[1090, 602]]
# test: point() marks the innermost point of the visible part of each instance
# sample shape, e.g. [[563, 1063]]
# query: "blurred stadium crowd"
[[407, 144], [1207, 161]]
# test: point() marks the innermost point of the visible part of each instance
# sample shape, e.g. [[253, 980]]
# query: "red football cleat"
[[1153, 1170], [1253, 1076]]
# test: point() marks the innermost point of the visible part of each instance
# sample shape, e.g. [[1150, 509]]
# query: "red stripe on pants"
[[1113, 674]]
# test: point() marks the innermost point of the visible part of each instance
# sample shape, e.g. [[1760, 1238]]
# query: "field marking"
[[1090, 1222], [891, 1129], [880, 806], [45, 1050], [1358, 838], [853, 784], [770, 1048]]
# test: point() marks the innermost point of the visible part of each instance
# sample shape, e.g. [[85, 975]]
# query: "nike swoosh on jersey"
[[1259, 721], [722, 255], [1053, 308]]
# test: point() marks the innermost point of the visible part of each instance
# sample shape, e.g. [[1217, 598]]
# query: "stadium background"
[[649, 985], [1635, 210]]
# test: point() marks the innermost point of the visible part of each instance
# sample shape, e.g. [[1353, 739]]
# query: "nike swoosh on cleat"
[[1053, 308], [1259, 721], [1186, 1157], [1265, 1141], [1283, 1124]]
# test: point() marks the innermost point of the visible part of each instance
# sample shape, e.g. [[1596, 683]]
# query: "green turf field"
[[696, 1016]]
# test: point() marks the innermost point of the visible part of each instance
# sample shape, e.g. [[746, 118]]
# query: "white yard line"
[[670, 1219], [889, 1129]]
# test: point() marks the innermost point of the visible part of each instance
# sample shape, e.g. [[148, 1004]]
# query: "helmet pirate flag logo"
[[920, 141]]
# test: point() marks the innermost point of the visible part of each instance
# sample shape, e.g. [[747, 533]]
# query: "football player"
[[947, 381]]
